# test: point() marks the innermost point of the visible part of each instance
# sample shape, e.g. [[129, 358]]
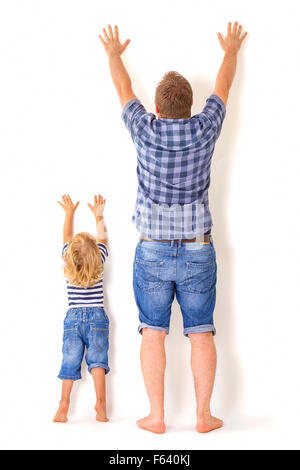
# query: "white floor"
[[38, 432]]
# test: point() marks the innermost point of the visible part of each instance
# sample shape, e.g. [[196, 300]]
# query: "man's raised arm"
[[231, 45], [119, 74]]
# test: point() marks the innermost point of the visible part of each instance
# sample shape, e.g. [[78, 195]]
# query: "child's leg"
[[73, 350], [98, 375], [62, 412]]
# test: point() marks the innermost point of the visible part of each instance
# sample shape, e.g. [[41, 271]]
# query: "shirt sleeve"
[[64, 250], [132, 114], [103, 251], [215, 112]]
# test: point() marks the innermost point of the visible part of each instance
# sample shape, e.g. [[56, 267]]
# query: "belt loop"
[[179, 243], [172, 243]]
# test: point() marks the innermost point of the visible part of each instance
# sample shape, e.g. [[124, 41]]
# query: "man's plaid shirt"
[[173, 169]]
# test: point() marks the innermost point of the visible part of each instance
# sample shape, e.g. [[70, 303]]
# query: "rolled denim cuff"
[[69, 377], [199, 329], [152, 327], [99, 365]]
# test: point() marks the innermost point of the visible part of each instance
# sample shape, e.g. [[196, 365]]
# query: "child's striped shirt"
[[89, 296]]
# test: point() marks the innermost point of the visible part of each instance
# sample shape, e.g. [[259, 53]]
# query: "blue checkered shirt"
[[173, 169]]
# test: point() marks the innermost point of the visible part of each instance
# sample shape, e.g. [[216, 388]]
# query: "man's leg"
[[203, 361], [153, 363], [98, 375], [153, 284], [62, 412]]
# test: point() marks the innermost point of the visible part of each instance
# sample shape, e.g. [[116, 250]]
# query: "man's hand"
[[233, 41], [98, 207], [231, 45], [111, 42], [68, 205], [114, 48]]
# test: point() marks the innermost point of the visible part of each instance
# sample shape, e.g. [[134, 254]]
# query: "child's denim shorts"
[[88, 327]]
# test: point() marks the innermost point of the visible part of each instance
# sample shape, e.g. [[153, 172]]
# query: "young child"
[[86, 323]]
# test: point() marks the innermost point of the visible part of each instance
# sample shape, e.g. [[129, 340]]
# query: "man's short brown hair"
[[174, 96]]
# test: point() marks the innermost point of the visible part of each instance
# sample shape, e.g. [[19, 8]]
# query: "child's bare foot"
[[208, 423], [149, 424], [101, 412], [62, 412]]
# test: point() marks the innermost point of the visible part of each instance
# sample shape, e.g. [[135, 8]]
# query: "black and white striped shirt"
[[89, 296]]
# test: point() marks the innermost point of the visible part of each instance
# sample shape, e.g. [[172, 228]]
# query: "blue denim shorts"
[[84, 327], [164, 269]]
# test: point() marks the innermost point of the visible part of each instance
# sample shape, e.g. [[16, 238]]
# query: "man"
[[175, 255]]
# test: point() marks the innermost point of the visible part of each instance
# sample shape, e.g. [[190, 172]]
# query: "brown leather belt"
[[200, 239]]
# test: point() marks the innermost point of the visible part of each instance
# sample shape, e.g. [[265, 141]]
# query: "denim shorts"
[[164, 269], [88, 327]]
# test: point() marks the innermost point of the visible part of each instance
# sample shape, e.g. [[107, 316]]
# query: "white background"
[[61, 132]]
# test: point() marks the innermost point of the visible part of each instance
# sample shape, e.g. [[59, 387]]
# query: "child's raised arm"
[[69, 209], [114, 49], [98, 209]]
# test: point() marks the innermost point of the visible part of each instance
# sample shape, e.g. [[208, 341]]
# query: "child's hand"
[[233, 40], [111, 42], [68, 205], [98, 207]]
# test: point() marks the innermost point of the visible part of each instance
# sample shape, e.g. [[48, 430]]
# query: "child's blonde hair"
[[83, 264]]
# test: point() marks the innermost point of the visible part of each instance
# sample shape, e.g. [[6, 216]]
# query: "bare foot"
[[101, 413], [61, 414], [149, 424], [208, 423]]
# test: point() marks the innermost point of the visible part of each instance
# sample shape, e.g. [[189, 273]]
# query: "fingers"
[[109, 36], [239, 30], [66, 199], [105, 35], [67, 202], [110, 33], [101, 39], [116, 33], [125, 45], [234, 31], [229, 29], [243, 37], [99, 199], [221, 40]]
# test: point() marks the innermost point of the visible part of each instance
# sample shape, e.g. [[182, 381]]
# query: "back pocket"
[[70, 337], [201, 276], [99, 335], [148, 274]]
